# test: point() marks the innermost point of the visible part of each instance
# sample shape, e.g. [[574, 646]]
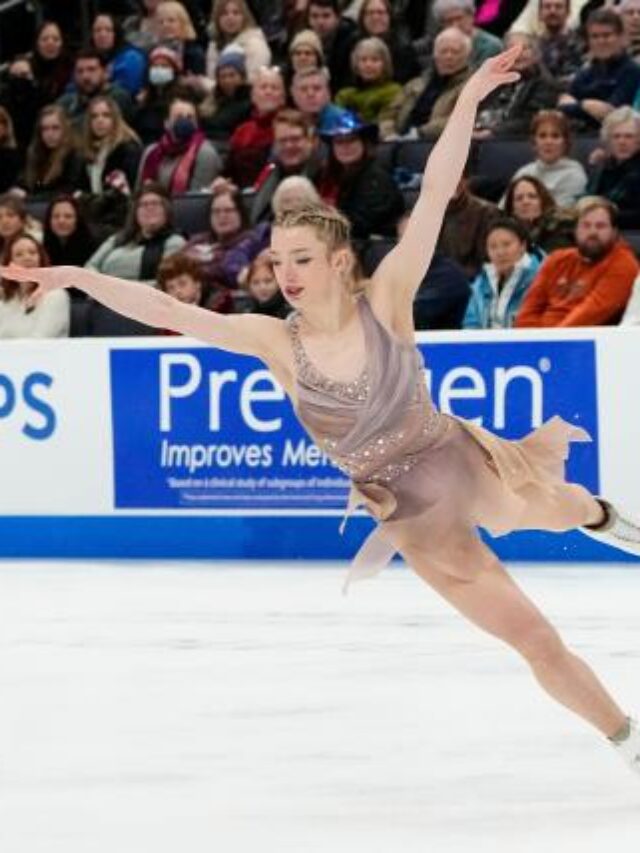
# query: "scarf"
[[168, 148]]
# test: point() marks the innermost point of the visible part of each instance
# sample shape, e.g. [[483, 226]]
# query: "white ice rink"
[[191, 708]]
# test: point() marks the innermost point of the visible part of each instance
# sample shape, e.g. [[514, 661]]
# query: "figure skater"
[[348, 362]]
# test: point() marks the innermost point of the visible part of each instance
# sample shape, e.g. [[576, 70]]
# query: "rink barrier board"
[[108, 466], [233, 538]]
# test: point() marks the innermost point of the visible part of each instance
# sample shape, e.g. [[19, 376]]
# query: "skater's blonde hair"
[[327, 223]]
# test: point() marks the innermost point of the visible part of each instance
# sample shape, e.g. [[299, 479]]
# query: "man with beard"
[[561, 46], [586, 285], [90, 78]]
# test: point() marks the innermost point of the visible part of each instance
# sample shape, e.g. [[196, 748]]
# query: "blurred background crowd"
[[155, 140]]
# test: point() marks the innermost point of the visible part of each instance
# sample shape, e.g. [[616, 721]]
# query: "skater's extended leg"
[[495, 603]]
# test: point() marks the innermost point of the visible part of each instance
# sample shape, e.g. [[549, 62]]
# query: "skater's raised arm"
[[242, 333], [398, 277]]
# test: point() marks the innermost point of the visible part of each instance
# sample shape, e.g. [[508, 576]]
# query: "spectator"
[[50, 62], [630, 13], [631, 316], [295, 152], [135, 252], [54, 165], [338, 36], [509, 111], [589, 284], [425, 104], [609, 80], [49, 316], [548, 226], [183, 160], [529, 19], [226, 249], [305, 52], [126, 65], [617, 178], [68, 240], [233, 26], [162, 86], [251, 141], [561, 46], [266, 296], [229, 104], [464, 228], [460, 13], [13, 219], [311, 95], [20, 96], [10, 164], [376, 19], [143, 29], [355, 182], [177, 31], [498, 291], [111, 149], [90, 78], [565, 178], [374, 88], [292, 193], [181, 277]]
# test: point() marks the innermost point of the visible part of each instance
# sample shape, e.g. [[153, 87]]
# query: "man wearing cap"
[[356, 183], [425, 104]]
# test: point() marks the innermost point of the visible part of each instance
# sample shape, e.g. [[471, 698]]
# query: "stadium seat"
[[633, 239], [102, 322], [191, 212], [413, 155], [498, 159]]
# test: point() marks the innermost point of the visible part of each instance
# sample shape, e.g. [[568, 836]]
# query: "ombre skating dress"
[[430, 480]]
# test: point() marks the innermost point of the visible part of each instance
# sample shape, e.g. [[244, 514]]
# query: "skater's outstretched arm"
[[243, 333], [398, 277]]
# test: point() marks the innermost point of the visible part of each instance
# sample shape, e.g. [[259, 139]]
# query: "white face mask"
[[161, 75]]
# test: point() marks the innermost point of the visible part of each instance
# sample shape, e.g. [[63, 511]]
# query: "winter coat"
[[251, 43], [395, 118], [493, 308], [619, 181]]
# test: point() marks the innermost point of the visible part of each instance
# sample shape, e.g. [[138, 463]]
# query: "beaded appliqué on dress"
[[355, 391]]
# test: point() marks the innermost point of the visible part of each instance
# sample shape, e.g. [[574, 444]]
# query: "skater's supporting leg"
[[495, 603]]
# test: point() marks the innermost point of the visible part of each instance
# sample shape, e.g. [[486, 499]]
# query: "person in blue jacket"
[[127, 65], [499, 288]]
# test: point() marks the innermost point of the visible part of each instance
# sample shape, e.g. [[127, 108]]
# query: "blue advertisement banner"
[[199, 428]]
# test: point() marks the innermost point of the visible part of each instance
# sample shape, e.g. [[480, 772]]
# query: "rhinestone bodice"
[[375, 426]]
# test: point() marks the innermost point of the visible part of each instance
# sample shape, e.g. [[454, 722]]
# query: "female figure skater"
[[350, 366]]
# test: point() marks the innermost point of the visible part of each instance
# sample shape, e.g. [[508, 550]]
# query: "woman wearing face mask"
[[162, 85], [497, 292], [49, 316], [126, 64], [183, 160]]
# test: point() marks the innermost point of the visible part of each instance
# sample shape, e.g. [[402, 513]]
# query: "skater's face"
[[306, 271]]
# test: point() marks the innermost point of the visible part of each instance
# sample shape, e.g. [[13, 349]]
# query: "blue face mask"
[[183, 129]]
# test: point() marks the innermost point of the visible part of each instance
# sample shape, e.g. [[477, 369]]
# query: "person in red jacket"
[[586, 285]]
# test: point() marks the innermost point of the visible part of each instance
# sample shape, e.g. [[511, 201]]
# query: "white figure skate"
[[629, 748], [616, 530]]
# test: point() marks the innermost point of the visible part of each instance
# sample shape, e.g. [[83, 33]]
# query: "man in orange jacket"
[[588, 285]]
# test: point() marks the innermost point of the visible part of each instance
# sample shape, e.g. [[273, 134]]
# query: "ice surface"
[[196, 707]]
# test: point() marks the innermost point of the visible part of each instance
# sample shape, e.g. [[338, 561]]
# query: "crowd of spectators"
[[155, 140]]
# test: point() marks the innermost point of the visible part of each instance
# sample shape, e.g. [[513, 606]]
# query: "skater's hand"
[[494, 72], [46, 279]]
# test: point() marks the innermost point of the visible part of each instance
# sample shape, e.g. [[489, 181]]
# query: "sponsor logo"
[[200, 428], [25, 405]]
